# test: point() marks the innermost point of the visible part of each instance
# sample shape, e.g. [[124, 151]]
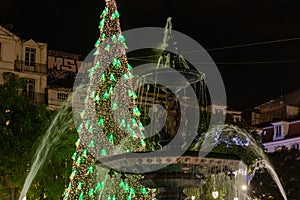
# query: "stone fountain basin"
[[194, 162]]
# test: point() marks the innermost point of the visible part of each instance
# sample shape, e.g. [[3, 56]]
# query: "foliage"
[[21, 122], [53, 176]]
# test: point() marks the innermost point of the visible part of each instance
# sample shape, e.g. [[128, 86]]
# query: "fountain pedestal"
[[171, 194], [170, 185]]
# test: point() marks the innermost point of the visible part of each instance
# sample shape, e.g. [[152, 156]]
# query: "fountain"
[[190, 171], [118, 169]]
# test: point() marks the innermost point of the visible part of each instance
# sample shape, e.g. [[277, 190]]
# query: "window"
[[237, 118], [29, 90], [30, 56], [278, 131], [219, 111], [62, 96]]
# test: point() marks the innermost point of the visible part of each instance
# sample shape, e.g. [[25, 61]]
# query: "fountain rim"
[[185, 159], [187, 153]]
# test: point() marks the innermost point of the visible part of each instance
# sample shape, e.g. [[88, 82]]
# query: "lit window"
[[30, 56], [278, 133], [219, 111], [62, 96], [237, 118]]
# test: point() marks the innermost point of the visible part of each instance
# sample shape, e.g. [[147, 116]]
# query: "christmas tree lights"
[[110, 120]]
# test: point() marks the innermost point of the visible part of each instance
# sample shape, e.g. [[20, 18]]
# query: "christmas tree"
[[110, 120]]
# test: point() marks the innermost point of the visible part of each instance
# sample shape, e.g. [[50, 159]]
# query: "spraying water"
[[167, 34], [232, 135], [275, 178], [51, 137], [264, 163]]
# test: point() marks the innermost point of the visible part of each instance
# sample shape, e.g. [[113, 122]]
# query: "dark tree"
[[21, 123]]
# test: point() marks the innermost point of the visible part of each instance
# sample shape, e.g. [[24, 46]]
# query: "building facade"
[[281, 134], [284, 107], [27, 59], [233, 116], [63, 68], [49, 74], [58, 96], [278, 122]]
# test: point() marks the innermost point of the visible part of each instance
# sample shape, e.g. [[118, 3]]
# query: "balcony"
[[35, 97], [38, 98], [22, 66]]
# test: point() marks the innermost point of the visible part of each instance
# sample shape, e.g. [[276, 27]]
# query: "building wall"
[[289, 138], [269, 113], [10, 48], [58, 97], [255, 118], [12, 60], [292, 111], [284, 107], [287, 143], [62, 65]]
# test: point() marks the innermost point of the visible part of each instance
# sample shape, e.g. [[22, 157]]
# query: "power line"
[[234, 46], [140, 58], [248, 45], [236, 63], [254, 62]]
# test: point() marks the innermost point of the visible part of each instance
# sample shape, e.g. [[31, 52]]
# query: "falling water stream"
[[58, 126], [268, 166], [232, 135]]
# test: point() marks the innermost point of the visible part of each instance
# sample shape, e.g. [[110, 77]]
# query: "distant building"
[[27, 59], [57, 97], [62, 69], [284, 107], [62, 65], [234, 116], [278, 122], [281, 134]]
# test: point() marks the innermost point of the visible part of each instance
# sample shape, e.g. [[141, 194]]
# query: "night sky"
[[252, 74]]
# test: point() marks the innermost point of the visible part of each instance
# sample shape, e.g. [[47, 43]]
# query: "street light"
[[244, 187]]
